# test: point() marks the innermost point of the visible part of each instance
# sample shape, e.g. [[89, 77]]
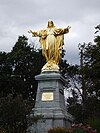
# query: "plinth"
[[50, 102]]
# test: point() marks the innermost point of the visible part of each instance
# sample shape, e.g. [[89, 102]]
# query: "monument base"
[[50, 103]]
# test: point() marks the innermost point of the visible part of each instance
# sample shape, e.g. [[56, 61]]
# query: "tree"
[[92, 75], [18, 86], [22, 63], [5, 74], [13, 112], [86, 81]]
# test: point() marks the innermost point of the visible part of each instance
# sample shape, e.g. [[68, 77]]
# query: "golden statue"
[[52, 41]]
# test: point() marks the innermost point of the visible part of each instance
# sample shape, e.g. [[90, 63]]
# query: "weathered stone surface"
[[53, 110]]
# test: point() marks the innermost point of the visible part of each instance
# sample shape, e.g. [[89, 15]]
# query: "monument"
[[50, 92]]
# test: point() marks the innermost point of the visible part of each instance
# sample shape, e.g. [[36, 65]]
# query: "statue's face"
[[50, 24]]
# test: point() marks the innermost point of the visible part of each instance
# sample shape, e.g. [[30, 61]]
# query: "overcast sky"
[[18, 16]]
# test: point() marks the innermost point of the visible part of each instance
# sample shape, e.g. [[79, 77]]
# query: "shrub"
[[80, 128], [57, 130], [76, 128], [95, 123]]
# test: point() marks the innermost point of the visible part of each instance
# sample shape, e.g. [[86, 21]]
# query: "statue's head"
[[50, 24]]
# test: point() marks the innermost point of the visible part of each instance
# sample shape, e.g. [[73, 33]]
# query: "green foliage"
[[57, 130], [26, 62], [5, 74], [18, 86], [76, 111], [95, 123], [91, 74], [92, 65], [85, 82], [15, 114], [80, 128], [18, 69], [76, 128], [13, 111]]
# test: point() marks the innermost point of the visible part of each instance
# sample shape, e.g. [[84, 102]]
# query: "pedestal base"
[[50, 103]]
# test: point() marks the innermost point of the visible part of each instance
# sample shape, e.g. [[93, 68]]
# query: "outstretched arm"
[[61, 31], [34, 34], [66, 30]]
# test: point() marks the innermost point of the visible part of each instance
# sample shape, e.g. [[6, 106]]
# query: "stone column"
[[50, 102]]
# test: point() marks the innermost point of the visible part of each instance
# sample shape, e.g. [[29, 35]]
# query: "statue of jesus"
[[52, 41]]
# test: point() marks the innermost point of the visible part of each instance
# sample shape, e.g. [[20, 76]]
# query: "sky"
[[18, 16]]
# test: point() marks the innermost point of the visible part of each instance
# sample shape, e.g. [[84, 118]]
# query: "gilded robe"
[[52, 41]]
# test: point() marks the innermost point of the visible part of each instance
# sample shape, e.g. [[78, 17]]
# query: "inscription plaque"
[[47, 96]]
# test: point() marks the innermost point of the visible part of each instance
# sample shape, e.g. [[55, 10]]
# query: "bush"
[[76, 128], [95, 123], [57, 130], [80, 128]]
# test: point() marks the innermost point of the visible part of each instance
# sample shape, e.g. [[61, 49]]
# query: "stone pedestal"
[[50, 102]]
